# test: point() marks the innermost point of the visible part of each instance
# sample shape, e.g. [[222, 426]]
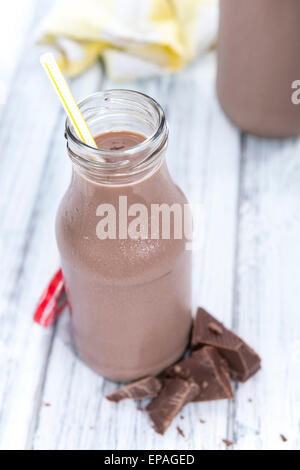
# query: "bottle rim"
[[96, 158]]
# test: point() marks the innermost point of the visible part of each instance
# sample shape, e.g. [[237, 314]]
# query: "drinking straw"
[[65, 95]]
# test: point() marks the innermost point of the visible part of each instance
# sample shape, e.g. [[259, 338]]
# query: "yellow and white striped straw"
[[62, 89]]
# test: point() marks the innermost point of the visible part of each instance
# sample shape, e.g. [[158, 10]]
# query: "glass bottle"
[[129, 292], [258, 65]]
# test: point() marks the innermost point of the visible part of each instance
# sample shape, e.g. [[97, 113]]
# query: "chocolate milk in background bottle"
[[258, 59], [130, 299]]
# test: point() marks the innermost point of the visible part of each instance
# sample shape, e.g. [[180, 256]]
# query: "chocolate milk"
[[258, 59], [130, 298]]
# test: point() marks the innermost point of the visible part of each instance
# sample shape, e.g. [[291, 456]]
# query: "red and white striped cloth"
[[52, 302]]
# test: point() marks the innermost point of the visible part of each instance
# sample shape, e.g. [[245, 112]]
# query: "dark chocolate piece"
[[228, 443], [145, 388], [243, 361], [209, 371], [283, 438], [175, 393], [180, 432]]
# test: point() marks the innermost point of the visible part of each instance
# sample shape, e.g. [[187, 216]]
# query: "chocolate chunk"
[[283, 438], [228, 443], [145, 388], [243, 361], [180, 432], [175, 393], [209, 371]]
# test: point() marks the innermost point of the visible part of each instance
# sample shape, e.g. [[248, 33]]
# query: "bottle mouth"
[[118, 110]]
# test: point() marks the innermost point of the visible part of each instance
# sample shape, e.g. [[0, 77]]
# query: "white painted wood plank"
[[268, 294], [79, 416], [30, 176], [17, 15], [25, 343], [18, 167]]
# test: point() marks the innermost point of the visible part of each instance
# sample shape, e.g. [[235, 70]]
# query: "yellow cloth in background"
[[135, 38]]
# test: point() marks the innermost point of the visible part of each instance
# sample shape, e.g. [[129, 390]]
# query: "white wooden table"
[[248, 273]]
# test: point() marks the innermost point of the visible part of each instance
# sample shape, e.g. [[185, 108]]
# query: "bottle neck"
[[115, 111], [148, 188]]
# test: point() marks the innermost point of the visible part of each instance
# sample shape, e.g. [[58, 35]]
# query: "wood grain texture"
[[247, 272], [33, 175], [24, 143], [268, 294], [16, 16]]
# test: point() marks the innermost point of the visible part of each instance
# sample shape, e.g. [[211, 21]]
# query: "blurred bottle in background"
[[258, 60]]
